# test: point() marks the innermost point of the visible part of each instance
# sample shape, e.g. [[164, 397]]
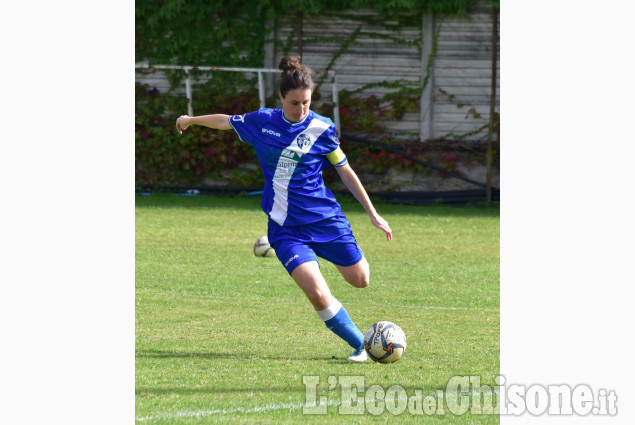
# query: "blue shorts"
[[331, 239]]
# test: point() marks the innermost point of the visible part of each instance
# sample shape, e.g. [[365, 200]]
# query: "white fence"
[[261, 85]]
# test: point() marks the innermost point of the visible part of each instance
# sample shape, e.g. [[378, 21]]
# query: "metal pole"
[[425, 104], [492, 107], [261, 90], [188, 92], [299, 18], [336, 103]]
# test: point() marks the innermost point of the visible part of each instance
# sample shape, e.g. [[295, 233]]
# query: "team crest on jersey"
[[303, 141]]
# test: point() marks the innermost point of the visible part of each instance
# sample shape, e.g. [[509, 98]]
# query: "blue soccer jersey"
[[292, 157]]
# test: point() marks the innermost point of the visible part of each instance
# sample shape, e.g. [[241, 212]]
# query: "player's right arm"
[[216, 121]]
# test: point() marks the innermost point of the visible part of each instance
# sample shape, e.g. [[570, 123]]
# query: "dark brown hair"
[[294, 75]]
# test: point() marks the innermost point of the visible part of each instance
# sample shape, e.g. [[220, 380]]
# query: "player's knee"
[[364, 282], [360, 281], [317, 296]]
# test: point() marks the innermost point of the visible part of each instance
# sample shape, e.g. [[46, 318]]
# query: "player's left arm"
[[352, 182]]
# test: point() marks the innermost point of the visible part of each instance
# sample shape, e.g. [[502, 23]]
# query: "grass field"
[[225, 337]]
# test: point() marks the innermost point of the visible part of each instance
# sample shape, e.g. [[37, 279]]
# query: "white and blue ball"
[[263, 249], [385, 342]]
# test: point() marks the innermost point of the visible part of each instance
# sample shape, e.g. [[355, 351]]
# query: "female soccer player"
[[294, 145]]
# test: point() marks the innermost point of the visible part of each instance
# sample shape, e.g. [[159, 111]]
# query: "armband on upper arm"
[[337, 157]]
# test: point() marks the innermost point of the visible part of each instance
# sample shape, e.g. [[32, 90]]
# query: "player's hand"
[[382, 224], [182, 123]]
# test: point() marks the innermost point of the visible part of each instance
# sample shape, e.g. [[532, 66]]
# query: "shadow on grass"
[[166, 200], [143, 391], [278, 389], [348, 203], [155, 354], [263, 388]]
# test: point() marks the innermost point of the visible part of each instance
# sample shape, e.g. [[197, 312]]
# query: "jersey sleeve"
[[335, 156], [246, 126]]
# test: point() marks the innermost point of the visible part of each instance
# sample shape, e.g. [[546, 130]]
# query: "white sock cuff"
[[330, 312]]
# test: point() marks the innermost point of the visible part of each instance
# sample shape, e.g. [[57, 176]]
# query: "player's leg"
[[300, 260], [309, 278], [349, 259], [357, 275]]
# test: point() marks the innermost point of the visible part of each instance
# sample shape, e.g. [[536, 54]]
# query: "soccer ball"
[[263, 249], [385, 342]]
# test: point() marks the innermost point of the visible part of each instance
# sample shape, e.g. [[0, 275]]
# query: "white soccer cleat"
[[358, 355]]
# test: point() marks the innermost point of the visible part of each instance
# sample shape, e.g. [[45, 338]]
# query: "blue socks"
[[336, 318]]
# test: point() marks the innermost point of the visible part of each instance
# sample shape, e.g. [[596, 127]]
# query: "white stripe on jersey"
[[286, 166]]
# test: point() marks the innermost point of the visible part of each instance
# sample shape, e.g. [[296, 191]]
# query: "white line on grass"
[[265, 408], [270, 407]]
